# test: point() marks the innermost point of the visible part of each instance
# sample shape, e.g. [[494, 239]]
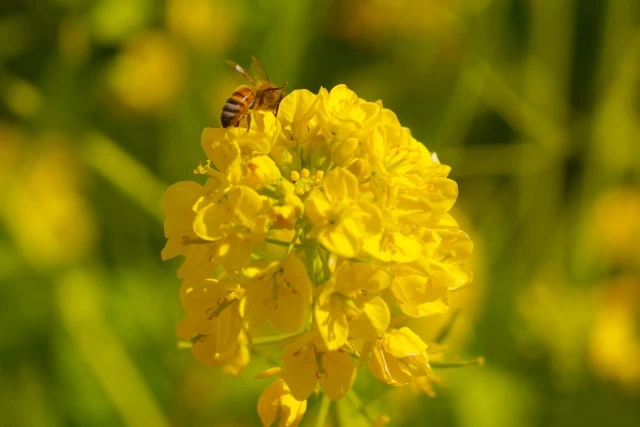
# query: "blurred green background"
[[534, 103]]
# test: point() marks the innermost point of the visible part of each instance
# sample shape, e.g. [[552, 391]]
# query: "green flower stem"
[[274, 339], [281, 243], [323, 411], [479, 361], [444, 332], [353, 397], [293, 243]]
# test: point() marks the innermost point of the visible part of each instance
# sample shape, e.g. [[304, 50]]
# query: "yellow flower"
[[277, 405], [297, 114], [237, 224], [343, 115], [213, 317], [341, 220], [308, 362], [422, 290], [233, 360], [398, 357], [350, 306], [281, 294], [398, 241], [225, 156], [330, 207]]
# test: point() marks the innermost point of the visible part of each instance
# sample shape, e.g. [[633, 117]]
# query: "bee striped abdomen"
[[236, 106]]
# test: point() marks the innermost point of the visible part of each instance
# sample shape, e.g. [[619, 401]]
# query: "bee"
[[261, 95]]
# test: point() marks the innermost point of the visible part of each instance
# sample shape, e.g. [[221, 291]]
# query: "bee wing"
[[258, 71], [241, 70]]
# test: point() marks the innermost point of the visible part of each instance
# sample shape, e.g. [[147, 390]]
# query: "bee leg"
[[248, 122], [275, 113]]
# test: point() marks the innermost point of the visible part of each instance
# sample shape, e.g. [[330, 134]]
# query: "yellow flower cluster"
[[328, 222]]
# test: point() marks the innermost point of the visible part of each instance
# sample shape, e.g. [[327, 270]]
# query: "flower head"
[[319, 222]]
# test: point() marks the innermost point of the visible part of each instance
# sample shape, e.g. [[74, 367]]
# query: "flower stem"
[[353, 397], [281, 243], [293, 243], [443, 333], [323, 411], [274, 339], [479, 361]]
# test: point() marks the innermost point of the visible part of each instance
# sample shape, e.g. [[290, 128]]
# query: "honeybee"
[[262, 95]]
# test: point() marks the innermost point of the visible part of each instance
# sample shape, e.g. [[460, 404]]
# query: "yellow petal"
[[375, 321], [339, 185], [340, 372], [291, 312], [276, 402], [343, 153], [261, 171], [300, 370], [293, 410], [174, 247], [210, 220], [224, 154], [387, 368], [205, 351], [295, 112], [343, 239], [369, 218], [419, 364], [269, 402], [184, 330], [396, 247], [228, 327], [234, 253], [419, 295], [360, 275], [403, 343], [246, 200], [179, 198], [258, 303], [317, 208], [331, 320]]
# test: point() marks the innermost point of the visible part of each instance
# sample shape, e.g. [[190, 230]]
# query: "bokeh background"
[[534, 103]]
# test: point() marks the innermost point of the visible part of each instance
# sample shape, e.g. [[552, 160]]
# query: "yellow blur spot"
[[148, 74], [207, 25], [44, 208]]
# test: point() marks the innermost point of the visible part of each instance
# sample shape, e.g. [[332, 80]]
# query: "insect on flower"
[[262, 95]]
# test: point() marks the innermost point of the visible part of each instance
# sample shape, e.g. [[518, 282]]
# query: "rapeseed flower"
[[322, 223]]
